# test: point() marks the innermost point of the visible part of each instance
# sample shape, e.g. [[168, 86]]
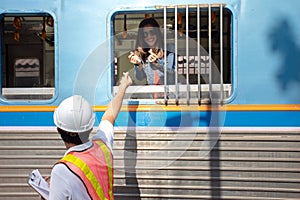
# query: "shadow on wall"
[[283, 42], [130, 161]]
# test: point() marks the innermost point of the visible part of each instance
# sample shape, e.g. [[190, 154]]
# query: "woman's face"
[[149, 36]]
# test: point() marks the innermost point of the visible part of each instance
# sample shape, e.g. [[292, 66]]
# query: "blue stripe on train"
[[202, 119], [170, 119]]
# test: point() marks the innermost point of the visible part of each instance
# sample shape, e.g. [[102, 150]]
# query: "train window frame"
[[210, 92], [20, 33]]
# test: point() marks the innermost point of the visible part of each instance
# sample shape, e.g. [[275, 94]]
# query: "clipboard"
[[38, 183]]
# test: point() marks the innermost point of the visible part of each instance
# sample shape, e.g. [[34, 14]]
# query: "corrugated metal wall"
[[169, 164]]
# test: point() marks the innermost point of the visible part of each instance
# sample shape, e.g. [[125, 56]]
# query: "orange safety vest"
[[94, 166]]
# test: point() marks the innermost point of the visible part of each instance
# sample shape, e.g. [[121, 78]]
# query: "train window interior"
[[196, 33], [27, 56]]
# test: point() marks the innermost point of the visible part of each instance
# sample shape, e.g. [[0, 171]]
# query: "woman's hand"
[[134, 58], [155, 54]]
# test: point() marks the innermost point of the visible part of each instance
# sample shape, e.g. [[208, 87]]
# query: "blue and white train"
[[228, 128]]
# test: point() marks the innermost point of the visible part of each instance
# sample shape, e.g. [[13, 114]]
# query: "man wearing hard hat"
[[86, 170]]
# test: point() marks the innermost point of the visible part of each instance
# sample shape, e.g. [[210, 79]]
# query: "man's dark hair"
[[74, 138]]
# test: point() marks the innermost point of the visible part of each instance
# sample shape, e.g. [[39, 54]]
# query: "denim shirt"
[[149, 70]]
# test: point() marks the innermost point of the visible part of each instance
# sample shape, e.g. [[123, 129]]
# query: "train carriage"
[[227, 127]]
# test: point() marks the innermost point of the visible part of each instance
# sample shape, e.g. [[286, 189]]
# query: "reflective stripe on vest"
[[94, 166]]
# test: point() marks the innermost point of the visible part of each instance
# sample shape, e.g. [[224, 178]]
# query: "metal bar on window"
[[221, 53], [209, 52], [165, 54], [176, 54], [187, 53], [199, 53]]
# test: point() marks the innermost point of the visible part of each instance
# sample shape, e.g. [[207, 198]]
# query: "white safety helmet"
[[75, 115]]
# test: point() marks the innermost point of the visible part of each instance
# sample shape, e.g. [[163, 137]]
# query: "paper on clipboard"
[[37, 182]]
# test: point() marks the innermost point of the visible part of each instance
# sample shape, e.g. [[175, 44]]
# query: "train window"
[[27, 56], [195, 43]]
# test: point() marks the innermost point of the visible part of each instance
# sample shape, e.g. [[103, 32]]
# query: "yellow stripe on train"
[[145, 108]]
